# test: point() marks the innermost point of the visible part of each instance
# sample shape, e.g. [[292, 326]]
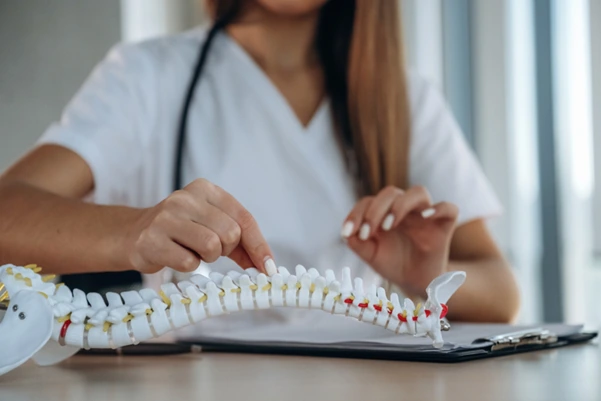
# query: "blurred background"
[[523, 78]]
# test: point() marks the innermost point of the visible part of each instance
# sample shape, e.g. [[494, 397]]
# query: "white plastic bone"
[[290, 298], [230, 296], [86, 321], [246, 292], [304, 292], [131, 297], [262, 292], [277, 294]]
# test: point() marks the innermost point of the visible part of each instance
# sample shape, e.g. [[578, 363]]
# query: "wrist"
[[415, 280], [122, 239]]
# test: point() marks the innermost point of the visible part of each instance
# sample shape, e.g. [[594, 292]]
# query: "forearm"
[[63, 235], [489, 294]]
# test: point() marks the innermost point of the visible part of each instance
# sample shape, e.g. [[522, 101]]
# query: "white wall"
[[142, 19], [47, 49], [422, 30], [595, 21], [505, 132], [574, 138]]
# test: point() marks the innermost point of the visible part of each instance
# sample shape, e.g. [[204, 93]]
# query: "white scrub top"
[[243, 136]]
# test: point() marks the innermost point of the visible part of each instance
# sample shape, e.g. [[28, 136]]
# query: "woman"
[[300, 125]]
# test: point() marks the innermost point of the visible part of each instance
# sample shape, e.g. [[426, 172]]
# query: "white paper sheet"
[[329, 329]]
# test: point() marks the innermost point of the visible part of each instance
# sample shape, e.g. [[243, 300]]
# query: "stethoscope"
[[183, 123]]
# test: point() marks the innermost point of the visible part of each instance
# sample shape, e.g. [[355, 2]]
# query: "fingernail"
[[428, 213], [347, 229], [387, 225], [270, 267], [364, 233]]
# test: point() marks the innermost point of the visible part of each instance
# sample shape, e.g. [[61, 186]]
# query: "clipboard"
[[495, 341]]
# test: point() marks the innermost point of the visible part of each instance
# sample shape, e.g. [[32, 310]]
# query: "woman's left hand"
[[402, 236]]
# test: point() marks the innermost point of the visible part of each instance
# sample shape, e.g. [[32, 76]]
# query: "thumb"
[[366, 250]]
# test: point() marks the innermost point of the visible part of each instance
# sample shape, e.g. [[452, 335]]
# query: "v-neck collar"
[[262, 83], [301, 143]]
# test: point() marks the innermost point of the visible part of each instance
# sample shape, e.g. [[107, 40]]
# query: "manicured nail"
[[388, 221], [270, 267], [364, 233], [428, 213], [347, 229]]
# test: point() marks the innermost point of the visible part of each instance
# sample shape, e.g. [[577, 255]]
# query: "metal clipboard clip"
[[537, 336]]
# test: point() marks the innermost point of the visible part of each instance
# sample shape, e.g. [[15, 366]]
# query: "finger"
[[365, 249], [240, 256], [196, 237], [416, 199], [174, 256], [221, 224], [251, 238], [442, 210], [377, 214], [352, 223]]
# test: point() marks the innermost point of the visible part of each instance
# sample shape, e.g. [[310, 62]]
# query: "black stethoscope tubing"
[[183, 123]]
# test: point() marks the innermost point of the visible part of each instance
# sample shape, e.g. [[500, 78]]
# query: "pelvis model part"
[[49, 322]]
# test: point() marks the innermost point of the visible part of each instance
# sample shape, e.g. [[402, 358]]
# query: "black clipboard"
[[514, 341]]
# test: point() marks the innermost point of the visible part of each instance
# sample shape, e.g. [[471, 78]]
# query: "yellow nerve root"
[[417, 309], [165, 298], [63, 319]]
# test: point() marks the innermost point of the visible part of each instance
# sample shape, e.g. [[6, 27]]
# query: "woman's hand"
[[199, 222], [402, 236]]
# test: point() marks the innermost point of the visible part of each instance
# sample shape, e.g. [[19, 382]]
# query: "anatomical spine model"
[[49, 322]]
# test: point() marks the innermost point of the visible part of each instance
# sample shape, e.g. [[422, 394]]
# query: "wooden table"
[[572, 373]]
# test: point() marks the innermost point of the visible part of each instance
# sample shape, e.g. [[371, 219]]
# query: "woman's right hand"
[[199, 222]]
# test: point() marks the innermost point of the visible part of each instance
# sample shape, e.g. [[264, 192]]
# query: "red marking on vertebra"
[[378, 308], [428, 313], [64, 328], [348, 301], [363, 305], [415, 318], [402, 318], [445, 310]]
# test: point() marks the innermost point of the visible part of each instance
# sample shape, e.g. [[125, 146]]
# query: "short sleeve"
[[442, 161], [106, 120]]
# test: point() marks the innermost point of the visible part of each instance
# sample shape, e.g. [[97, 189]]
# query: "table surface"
[[571, 373]]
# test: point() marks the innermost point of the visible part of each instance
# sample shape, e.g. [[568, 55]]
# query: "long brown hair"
[[360, 47]]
